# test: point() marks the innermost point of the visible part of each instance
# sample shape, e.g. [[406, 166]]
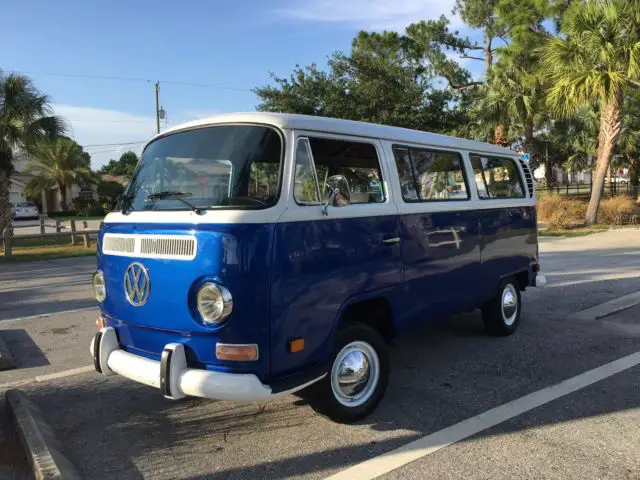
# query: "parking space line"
[[429, 444], [52, 376], [46, 285], [43, 315]]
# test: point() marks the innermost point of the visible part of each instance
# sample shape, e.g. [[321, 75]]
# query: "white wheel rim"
[[355, 374], [509, 305]]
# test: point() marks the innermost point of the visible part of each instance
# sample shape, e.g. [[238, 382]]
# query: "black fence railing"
[[584, 189]]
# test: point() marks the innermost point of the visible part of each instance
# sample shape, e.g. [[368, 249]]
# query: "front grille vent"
[[172, 247]]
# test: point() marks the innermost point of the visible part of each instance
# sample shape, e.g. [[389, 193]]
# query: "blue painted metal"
[[293, 279], [317, 267], [235, 255]]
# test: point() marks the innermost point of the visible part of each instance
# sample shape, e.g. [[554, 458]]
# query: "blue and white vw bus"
[[255, 255]]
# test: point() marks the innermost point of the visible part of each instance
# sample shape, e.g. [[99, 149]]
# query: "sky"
[[207, 55]]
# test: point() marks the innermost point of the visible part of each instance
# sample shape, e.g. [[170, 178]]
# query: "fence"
[[8, 237], [584, 190]]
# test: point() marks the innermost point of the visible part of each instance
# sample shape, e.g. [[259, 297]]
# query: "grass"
[[571, 232], [28, 249]]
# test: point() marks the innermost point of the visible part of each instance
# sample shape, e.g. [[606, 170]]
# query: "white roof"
[[346, 127]]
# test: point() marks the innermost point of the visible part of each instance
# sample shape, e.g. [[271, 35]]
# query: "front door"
[[322, 261]]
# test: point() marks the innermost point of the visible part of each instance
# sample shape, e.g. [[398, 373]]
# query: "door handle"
[[391, 240]]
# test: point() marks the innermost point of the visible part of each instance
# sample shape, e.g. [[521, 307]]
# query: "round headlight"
[[214, 303], [99, 287]]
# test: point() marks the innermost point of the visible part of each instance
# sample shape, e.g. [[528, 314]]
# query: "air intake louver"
[[527, 176], [174, 247]]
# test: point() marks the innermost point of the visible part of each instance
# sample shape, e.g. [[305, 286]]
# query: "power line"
[[131, 79], [114, 144]]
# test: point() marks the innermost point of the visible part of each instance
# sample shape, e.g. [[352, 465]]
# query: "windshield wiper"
[[171, 195]]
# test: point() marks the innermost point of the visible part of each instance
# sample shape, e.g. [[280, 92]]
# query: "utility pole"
[[158, 107]]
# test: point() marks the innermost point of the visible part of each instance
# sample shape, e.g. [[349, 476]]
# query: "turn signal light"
[[296, 345], [100, 322], [237, 353]]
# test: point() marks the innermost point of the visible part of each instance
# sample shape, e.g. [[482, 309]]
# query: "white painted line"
[[86, 282], [424, 446], [607, 308], [65, 373], [52, 376], [44, 315]]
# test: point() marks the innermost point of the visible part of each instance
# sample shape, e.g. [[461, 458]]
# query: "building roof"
[[345, 127]]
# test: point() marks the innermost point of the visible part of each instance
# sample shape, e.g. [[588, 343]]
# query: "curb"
[[607, 308], [6, 360], [39, 440]]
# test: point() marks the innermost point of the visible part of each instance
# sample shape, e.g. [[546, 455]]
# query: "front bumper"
[[172, 376]]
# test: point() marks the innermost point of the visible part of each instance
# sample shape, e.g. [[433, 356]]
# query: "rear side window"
[[496, 177], [430, 175], [322, 158]]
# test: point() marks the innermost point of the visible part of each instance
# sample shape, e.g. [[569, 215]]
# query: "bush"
[[95, 211], [561, 212], [67, 213], [611, 207]]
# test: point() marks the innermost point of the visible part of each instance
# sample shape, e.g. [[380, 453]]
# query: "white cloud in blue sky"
[[370, 14]]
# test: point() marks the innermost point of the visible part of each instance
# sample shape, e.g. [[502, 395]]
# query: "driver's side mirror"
[[338, 192]]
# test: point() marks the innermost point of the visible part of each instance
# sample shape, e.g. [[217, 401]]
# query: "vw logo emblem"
[[137, 284]]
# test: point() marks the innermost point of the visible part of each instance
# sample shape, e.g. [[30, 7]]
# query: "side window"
[[357, 161], [305, 190], [497, 177], [405, 173], [428, 175]]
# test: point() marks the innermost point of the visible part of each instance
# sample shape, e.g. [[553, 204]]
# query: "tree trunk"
[[63, 196], [528, 139], [500, 135], [610, 125], [5, 211], [633, 169], [488, 57], [5, 184]]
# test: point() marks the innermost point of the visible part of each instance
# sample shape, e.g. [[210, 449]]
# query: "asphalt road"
[[442, 375]]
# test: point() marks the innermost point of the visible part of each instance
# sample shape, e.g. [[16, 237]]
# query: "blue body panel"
[[319, 266], [235, 255], [293, 279]]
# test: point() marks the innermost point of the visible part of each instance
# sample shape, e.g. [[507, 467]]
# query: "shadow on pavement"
[[23, 349]]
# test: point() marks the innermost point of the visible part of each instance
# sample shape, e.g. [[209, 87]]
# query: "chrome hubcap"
[[509, 304], [355, 374]]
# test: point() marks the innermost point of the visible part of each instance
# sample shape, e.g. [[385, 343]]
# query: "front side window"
[[356, 161], [305, 190], [428, 175], [226, 166], [496, 177]]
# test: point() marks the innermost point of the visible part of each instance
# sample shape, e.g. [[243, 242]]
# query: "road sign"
[[524, 156]]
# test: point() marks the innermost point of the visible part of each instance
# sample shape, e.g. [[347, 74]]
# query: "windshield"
[[26, 204], [228, 166]]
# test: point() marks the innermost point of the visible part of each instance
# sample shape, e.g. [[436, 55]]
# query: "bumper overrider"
[[172, 376]]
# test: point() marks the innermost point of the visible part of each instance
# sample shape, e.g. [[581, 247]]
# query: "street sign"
[[524, 156]]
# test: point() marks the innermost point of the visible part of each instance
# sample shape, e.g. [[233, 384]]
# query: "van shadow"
[[25, 352], [442, 374], [25, 303]]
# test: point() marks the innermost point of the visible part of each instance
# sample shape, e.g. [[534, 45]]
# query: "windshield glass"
[[228, 166], [26, 204]]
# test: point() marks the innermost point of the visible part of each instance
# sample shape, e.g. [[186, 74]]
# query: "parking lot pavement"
[[442, 375], [36, 288]]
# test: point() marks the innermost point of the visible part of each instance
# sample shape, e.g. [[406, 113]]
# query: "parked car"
[[330, 238], [620, 179], [22, 210]]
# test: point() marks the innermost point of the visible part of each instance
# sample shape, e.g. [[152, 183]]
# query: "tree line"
[[560, 82]]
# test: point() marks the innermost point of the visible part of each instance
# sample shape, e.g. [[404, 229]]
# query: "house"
[[49, 201], [560, 176]]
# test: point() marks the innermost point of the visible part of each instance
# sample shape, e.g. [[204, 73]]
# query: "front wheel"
[[501, 315], [358, 375]]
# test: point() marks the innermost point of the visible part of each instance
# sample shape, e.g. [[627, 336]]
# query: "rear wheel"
[[358, 375], [501, 315]]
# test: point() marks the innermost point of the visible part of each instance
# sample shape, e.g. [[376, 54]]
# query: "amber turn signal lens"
[[100, 322], [296, 345], [237, 353]]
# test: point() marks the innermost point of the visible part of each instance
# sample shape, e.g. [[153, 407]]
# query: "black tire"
[[498, 321], [321, 396]]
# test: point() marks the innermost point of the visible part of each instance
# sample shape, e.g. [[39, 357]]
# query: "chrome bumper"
[[172, 376], [541, 280]]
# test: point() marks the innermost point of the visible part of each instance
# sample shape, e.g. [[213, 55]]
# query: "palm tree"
[[57, 163], [597, 59], [629, 142], [25, 118]]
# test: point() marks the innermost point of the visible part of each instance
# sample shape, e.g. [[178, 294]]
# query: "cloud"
[[371, 14], [98, 129]]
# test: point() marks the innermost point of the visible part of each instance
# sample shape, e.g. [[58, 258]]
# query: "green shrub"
[[95, 211]]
